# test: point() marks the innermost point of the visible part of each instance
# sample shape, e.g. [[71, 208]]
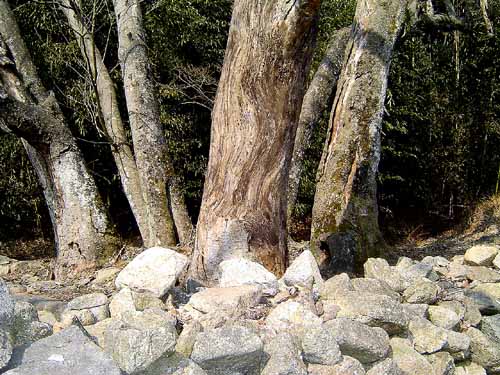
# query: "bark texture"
[[156, 173], [254, 121], [317, 100], [345, 212], [82, 230]]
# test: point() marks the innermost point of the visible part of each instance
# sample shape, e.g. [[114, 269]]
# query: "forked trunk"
[[254, 121], [345, 212]]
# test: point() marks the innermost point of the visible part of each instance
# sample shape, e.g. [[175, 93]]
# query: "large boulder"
[[320, 346], [366, 344], [155, 270], [140, 338], [304, 271], [484, 351], [284, 356], [337, 284], [480, 255], [426, 337], [69, 352], [408, 359], [482, 274], [229, 350], [239, 271]]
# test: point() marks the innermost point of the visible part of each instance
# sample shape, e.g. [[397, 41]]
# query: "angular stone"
[[84, 317], [98, 330], [173, 364], [490, 326], [292, 316], [413, 310], [25, 327], [374, 286], [469, 368], [229, 350], [121, 303], [377, 268], [284, 356], [239, 271], [486, 297], [485, 352], [148, 335], [482, 274], [419, 271], [187, 338], [385, 367], [458, 345], [337, 284], [442, 363], [366, 344], [409, 360], [436, 261], [480, 255], [69, 352], [455, 306], [320, 346], [155, 270], [422, 291], [88, 301], [6, 305], [5, 349], [304, 271], [472, 314], [427, 338], [348, 366], [232, 298], [145, 300], [443, 317], [106, 274], [373, 310]]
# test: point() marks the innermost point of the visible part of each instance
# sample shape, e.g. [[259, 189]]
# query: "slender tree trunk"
[[82, 229], [151, 153], [317, 100], [345, 212], [254, 120], [108, 106]]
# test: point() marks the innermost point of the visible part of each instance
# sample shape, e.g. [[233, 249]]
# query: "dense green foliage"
[[441, 129]]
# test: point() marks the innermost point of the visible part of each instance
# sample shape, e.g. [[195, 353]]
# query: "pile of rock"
[[433, 317]]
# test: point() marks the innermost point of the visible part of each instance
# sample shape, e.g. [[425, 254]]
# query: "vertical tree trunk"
[[82, 230], [151, 153], [110, 113], [345, 212], [254, 121], [318, 98]]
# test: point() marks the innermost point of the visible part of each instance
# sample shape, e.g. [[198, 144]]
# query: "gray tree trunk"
[[254, 121], [317, 100], [345, 212], [108, 106], [155, 167], [83, 233]]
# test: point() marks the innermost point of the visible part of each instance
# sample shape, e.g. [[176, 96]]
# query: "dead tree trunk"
[[345, 212], [150, 147], [83, 233], [317, 100], [111, 117], [254, 121]]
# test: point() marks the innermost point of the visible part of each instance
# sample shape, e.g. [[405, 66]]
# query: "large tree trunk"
[[254, 121], [317, 100], [345, 212], [82, 230], [110, 113], [151, 153]]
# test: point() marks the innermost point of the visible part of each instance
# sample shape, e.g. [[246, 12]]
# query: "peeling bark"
[[317, 100], [254, 122], [82, 229], [150, 147], [345, 206]]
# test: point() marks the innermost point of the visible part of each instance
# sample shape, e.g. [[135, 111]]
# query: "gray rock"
[[416, 310], [140, 338], [374, 286], [486, 297], [293, 317], [97, 331], [121, 302], [482, 274], [105, 275], [485, 352], [377, 268], [385, 367], [490, 326], [442, 363], [455, 306], [6, 305], [366, 344], [284, 356], [88, 301], [422, 291], [155, 270], [373, 310], [419, 271], [337, 284], [480, 255], [187, 338], [409, 360], [458, 345], [304, 271], [469, 368], [443, 317], [5, 349], [348, 366], [69, 352], [232, 298], [472, 314], [427, 338], [85, 317], [170, 364], [436, 261], [320, 346], [239, 271], [229, 350]]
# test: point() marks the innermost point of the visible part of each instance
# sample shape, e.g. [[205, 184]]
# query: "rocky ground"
[[435, 316]]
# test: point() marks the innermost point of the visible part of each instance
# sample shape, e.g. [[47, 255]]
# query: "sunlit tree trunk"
[[317, 100], [82, 229], [254, 121], [345, 212]]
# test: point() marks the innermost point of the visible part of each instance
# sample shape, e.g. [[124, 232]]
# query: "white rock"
[[292, 316], [154, 270], [220, 299], [304, 271], [480, 255], [239, 271], [121, 302]]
